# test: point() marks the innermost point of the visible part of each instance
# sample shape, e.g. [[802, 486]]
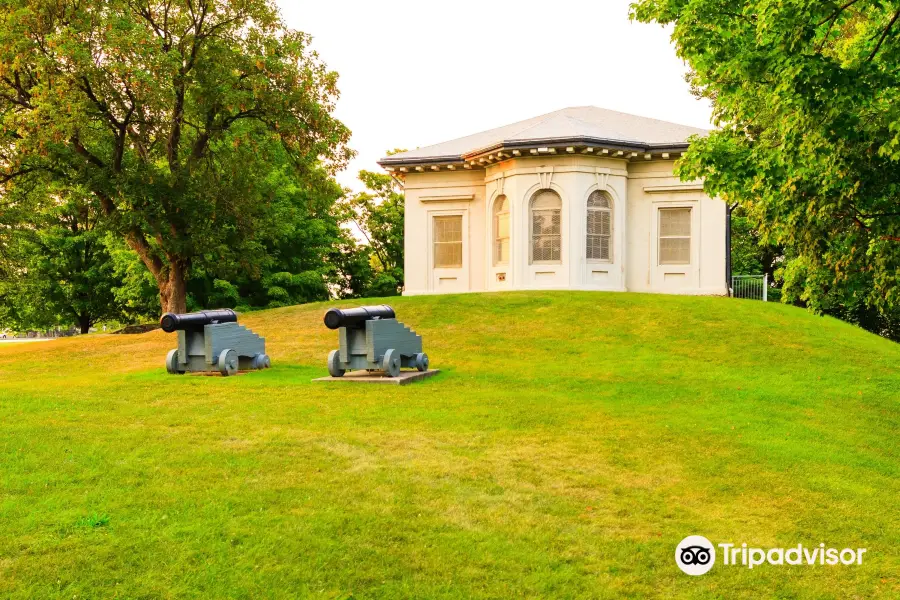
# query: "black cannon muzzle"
[[356, 317], [196, 320]]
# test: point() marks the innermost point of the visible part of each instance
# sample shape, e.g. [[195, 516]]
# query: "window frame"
[[434, 241], [660, 237], [532, 236], [587, 234], [496, 239]]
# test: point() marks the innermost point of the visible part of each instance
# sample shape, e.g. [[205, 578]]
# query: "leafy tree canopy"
[[171, 114], [61, 271], [296, 241], [805, 96], [377, 214]]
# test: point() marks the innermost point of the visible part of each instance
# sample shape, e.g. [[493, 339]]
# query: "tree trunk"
[[170, 279], [173, 290], [84, 323]]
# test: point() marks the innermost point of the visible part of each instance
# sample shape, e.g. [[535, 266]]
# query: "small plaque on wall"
[[501, 276]]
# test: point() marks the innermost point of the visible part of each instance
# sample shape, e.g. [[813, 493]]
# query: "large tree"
[[60, 271], [169, 113], [806, 97]]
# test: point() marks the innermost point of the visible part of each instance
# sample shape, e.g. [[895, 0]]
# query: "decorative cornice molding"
[[622, 149], [448, 198], [673, 189]]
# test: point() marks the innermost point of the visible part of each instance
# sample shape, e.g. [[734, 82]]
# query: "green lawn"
[[572, 440]]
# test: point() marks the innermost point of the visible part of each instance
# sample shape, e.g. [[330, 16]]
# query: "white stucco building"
[[582, 198]]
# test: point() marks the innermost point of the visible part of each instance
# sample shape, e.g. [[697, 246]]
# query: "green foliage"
[[60, 271], [751, 255], [224, 294], [376, 268], [745, 254], [285, 289], [136, 293], [173, 116], [352, 262], [806, 97], [296, 237]]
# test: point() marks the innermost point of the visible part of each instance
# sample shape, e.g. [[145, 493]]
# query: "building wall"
[[652, 186], [638, 190], [444, 193]]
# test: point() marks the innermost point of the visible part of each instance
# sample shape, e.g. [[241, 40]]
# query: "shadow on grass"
[[277, 376]]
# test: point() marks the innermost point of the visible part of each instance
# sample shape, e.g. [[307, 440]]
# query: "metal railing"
[[751, 287]]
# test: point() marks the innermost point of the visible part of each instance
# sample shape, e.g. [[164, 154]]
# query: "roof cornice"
[[553, 146]]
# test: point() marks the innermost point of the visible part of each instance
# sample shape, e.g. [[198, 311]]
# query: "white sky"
[[415, 73]]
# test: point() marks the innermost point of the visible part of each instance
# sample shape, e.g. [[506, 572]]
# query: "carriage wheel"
[[172, 363], [334, 364], [391, 363], [421, 361], [261, 361], [228, 362]]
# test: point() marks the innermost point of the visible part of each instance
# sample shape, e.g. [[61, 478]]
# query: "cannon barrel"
[[196, 320], [356, 317]]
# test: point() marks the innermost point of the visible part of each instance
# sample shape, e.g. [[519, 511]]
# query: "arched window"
[[546, 227], [501, 231], [599, 226]]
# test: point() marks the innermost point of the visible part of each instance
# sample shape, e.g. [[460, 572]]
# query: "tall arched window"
[[599, 226], [546, 227], [501, 231]]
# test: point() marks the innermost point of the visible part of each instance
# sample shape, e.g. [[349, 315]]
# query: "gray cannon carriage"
[[372, 339], [211, 341]]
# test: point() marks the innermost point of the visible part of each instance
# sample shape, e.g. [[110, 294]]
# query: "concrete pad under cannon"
[[379, 377]]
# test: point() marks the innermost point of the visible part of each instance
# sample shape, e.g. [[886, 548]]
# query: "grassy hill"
[[572, 440]]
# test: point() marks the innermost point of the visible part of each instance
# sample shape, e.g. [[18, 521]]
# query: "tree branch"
[[827, 33], [179, 84], [100, 104], [23, 98], [835, 14], [7, 177], [139, 244], [202, 141], [884, 35], [80, 149], [136, 240], [879, 215]]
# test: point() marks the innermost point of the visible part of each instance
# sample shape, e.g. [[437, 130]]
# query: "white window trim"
[[531, 235], [689, 237], [612, 228], [435, 243], [431, 269], [495, 231]]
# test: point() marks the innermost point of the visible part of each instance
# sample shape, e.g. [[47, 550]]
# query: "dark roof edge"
[[536, 143], [451, 159]]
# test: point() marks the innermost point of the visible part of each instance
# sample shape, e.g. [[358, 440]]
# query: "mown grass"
[[572, 440]]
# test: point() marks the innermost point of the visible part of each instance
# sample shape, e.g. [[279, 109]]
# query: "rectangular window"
[[674, 236], [599, 232], [448, 242], [501, 244], [546, 238]]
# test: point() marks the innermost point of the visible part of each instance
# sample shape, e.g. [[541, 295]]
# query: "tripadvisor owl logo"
[[695, 555]]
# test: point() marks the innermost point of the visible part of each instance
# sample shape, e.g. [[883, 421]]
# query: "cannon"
[[195, 321], [371, 338], [211, 341]]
